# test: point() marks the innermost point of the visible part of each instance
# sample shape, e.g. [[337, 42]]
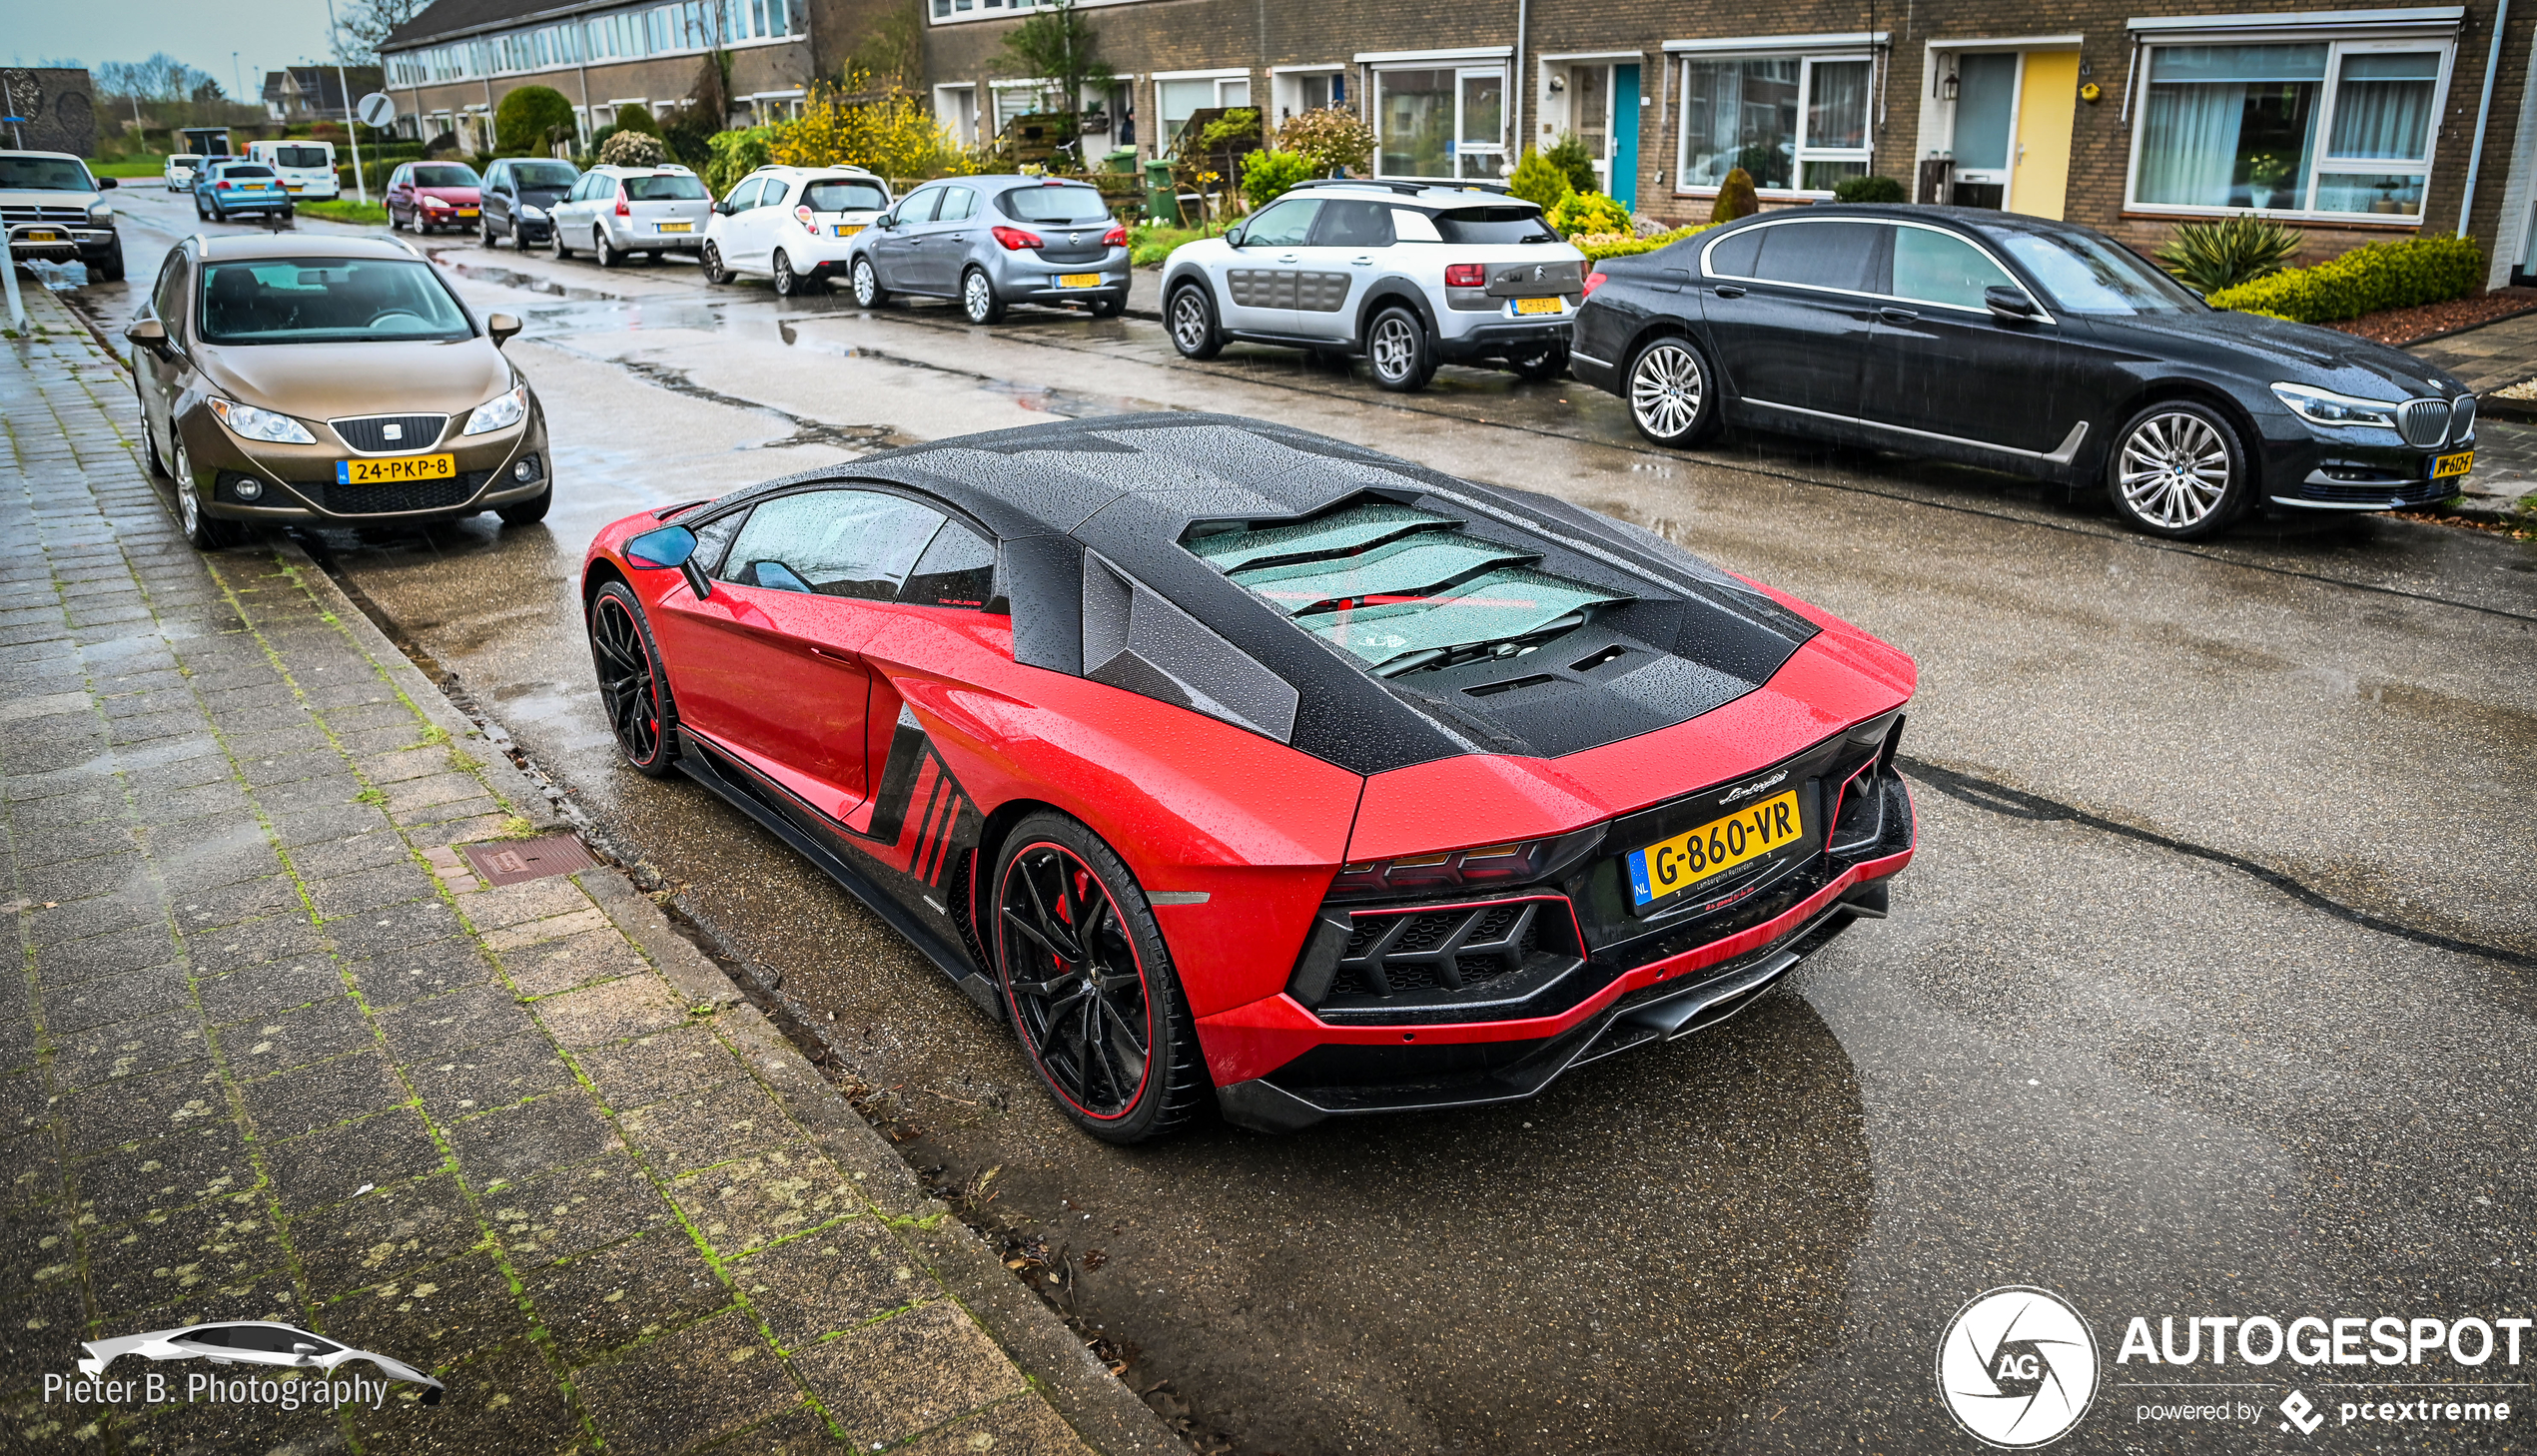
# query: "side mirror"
[[501, 326], [147, 334], [1233, 238], [723, 207], [654, 550], [2008, 302], [107, 184]]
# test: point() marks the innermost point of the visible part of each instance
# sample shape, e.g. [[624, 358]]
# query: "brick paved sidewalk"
[[279, 1055]]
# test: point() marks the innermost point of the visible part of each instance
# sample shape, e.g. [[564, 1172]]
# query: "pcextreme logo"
[[2016, 1367]]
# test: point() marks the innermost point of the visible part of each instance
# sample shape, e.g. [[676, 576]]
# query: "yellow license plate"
[[399, 467], [297, 185], [674, 227], [44, 237], [2457, 464], [848, 230], [1541, 305], [1674, 865], [1078, 280], [466, 211]]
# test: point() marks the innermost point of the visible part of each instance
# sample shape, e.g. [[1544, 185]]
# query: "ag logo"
[[2016, 1367]]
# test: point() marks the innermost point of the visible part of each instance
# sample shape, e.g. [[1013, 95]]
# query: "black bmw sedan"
[[2021, 345]]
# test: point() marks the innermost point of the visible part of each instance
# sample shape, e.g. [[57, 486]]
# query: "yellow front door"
[[2047, 99]]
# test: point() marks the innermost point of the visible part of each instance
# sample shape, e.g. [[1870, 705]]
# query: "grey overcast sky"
[[265, 34]]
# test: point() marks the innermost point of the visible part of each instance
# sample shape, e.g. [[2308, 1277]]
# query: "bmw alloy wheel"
[[1667, 389], [1076, 986], [2174, 470]]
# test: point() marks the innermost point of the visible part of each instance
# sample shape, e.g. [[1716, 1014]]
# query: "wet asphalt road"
[[2207, 994]]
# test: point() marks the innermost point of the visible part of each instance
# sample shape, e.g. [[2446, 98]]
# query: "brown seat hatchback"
[[332, 382]]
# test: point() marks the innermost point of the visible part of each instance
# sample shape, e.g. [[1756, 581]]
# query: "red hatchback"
[[427, 196], [1234, 764]]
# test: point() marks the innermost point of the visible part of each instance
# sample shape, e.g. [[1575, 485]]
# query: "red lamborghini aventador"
[[1227, 760]]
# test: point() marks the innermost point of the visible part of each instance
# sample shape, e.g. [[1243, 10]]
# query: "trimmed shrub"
[[2364, 280], [1574, 162], [1267, 174], [1539, 180], [633, 149], [1588, 211], [634, 118], [1735, 198], [736, 154], [1599, 246], [532, 118], [2213, 257], [1868, 190]]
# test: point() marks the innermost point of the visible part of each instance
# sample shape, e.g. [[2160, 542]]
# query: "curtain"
[[2383, 110], [1837, 106], [2188, 148]]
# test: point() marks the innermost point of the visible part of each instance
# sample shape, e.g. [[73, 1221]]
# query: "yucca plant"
[[2210, 256]]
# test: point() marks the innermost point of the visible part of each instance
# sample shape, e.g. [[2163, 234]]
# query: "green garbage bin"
[[1163, 196], [1123, 159]]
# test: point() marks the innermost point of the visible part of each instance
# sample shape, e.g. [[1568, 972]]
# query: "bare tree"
[[161, 78], [360, 25]]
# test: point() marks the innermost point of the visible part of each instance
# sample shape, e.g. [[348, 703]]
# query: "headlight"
[[2323, 407], [101, 212], [252, 424], [529, 212], [499, 412]]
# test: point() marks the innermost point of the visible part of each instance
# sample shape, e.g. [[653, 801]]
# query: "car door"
[[400, 192], [162, 371], [1341, 256], [1966, 380], [946, 241], [1261, 275], [894, 249], [1791, 315], [741, 238]]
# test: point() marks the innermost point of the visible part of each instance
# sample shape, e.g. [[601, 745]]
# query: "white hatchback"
[[616, 211], [180, 167], [790, 223]]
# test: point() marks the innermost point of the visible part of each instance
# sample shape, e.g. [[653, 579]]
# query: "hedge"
[[1599, 246], [2367, 280]]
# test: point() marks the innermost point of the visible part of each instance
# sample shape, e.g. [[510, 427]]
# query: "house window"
[[2336, 127], [1444, 121], [1178, 98], [1793, 123]]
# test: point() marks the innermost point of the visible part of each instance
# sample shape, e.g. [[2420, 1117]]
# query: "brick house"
[[449, 67], [2355, 125]]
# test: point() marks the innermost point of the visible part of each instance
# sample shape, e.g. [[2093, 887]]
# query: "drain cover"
[[508, 862]]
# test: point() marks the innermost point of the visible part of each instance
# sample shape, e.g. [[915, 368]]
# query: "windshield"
[[840, 195], [2090, 275], [328, 300], [544, 174], [183, 159], [673, 187], [44, 174], [1054, 205], [444, 174], [245, 169], [1399, 588], [301, 156], [1494, 225]]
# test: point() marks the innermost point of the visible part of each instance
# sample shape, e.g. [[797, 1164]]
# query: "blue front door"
[[1624, 172]]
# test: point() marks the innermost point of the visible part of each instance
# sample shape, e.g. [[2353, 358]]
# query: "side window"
[[1733, 257], [920, 208], [713, 538], [958, 204], [1824, 254], [1284, 223], [957, 570], [857, 543], [167, 298], [1354, 224], [1939, 268], [399, 178], [744, 197]]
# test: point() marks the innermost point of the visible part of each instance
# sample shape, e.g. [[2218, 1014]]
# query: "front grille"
[[43, 215], [390, 496], [2423, 423], [2402, 492], [2462, 419], [368, 435]]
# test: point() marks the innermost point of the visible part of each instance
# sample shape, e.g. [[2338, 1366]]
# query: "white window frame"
[[1463, 69], [1286, 89], [2349, 32], [1808, 51], [1217, 74]]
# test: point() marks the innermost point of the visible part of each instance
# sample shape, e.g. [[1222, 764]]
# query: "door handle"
[[818, 652], [1286, 258], [1362, 262], [1897, 315], [1729, 291]]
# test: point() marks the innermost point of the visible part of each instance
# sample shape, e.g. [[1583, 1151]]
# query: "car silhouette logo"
[[249, 1343]]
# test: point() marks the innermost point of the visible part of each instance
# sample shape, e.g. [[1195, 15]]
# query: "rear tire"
[[633, 690], [978, 300], [1109, 307], [868, 292], [1107, 1027], [1404, 357], [2178, 471], [149, 443], [603, 251], [1191, 317], [1672, 393], [788, 283], [1542, 368]]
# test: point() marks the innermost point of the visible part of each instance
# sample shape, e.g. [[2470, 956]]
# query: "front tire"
[[633, 690], [149, 443], [709, 263], [110, 267], [554, 241], [1193, 320], [202, 531], [1544, 367], [2177, 470], [1090, 986], [1397, 346], [868, 292], [1109, 307], [1672, 393], [526, 512], [978, 300]]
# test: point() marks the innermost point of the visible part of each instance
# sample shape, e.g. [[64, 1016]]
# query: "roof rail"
[[1405, 189]]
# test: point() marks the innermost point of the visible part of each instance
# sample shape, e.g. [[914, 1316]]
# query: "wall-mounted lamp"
[[1946, 86], [1557, 85]]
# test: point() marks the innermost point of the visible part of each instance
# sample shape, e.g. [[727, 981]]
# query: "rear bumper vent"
[[1473, 960]]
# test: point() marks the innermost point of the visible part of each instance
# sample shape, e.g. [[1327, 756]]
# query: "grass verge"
[[344, 209]]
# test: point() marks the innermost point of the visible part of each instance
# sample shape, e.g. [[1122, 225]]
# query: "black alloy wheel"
[[633, 687], [709, 263], [1193, 320], [2177, 470], [1672, 400], [1397, 346], [1090, 986], [1541, 365], [868, 292], [978, 300]]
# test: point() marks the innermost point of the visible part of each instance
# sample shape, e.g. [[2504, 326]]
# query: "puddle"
[[1043, 399], [855, 438]]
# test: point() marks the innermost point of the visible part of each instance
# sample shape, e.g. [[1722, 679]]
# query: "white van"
[[306, 167]]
